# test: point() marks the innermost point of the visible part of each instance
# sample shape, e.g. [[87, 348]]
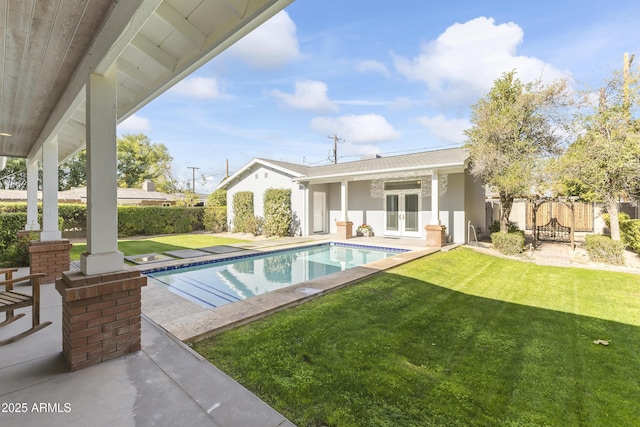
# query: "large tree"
[[515, 126], [139, 159], [605, 158]]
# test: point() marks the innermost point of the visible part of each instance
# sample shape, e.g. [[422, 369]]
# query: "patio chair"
[[11, 300]]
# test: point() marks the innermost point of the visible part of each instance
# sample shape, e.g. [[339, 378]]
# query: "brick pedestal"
[[436, 235], [50, 257], [100, 316], [345, 229]]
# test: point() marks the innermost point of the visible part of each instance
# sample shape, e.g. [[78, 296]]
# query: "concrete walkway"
[[164, 384]]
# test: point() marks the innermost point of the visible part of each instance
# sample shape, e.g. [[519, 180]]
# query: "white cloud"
[[463, 62], [449, 130], [271, 45], [373, 66], [366, 128], [135, 124], [199, 87], [308, 95]]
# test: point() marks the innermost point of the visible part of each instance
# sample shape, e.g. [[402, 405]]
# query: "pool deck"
[[165, 383], [191, 322]]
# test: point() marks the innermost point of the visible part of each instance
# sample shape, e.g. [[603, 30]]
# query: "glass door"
[[402, 215]]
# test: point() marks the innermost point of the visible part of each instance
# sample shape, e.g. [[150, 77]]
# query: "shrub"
[[603, 249], [277, 212], [17, 255], [244, 220], [630, 230], [495, 227], [149, 220], [215, 212], [508, 243], [10, 224]]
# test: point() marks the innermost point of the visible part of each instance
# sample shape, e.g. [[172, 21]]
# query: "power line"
[[335, 147]]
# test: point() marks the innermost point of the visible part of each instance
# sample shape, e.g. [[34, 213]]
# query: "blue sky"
[[387, 78]]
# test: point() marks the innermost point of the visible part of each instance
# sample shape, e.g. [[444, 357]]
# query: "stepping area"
[[147, 258], [220, 249], [187, 253]]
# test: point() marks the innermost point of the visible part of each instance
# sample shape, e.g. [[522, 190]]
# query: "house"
[[145, 196], [394, 194]]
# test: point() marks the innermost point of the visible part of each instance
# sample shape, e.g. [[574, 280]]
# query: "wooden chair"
[[11, 300]]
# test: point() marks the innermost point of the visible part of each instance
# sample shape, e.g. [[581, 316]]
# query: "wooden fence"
[[562, 212]]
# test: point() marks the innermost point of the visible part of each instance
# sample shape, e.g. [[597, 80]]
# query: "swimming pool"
[[222, 282]]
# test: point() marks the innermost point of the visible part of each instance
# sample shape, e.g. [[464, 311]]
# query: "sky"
[[385, 77]]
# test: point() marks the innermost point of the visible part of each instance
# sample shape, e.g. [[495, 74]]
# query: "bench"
[[553, 231], [11, 300]]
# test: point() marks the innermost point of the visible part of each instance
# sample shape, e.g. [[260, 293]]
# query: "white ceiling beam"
[[181, 24], [133, 72], [147, 47]]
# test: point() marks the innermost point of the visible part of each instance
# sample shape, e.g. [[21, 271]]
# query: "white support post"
[[102, 254], [32, 195], [50, 230], [344, 197], [435, 195]]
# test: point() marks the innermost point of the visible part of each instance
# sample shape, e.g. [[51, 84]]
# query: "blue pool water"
[[223, 282]]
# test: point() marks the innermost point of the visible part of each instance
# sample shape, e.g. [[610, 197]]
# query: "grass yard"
[[161, 244], [455, 339]]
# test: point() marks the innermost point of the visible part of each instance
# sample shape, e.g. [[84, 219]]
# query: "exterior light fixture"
[[5, 134]]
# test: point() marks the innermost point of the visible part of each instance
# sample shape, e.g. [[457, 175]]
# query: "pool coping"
[[190, 322]]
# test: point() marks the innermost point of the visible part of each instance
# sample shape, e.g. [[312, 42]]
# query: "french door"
[[402, 215]]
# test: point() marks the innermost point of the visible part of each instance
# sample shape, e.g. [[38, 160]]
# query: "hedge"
[[603, 249], [277, 212], [244, 220], [630, 230], [215, 212], [149, 220], [508, 243]]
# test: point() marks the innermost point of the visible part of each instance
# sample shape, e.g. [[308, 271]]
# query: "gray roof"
[[450, 157], [425, 159]]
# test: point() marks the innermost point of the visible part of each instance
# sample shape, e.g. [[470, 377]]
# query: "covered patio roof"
[[48, 49]]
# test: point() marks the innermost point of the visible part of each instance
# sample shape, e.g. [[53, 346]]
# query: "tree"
[[515, 126], [139, 159], [14, 175], [605, 158], [73, 172]]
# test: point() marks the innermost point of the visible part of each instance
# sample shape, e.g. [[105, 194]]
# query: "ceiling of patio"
[[49, 48]]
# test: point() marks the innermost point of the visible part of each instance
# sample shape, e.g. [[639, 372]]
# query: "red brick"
[[115, 325], [85, 317], [130, 314], [130, 328], [101, 305], [102, 320], [84, 333], [115, 310], [101, 336], [115, 354]]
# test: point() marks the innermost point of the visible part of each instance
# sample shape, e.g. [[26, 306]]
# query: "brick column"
[[345, 229], [51, 257], [100, 316], [436, 235]]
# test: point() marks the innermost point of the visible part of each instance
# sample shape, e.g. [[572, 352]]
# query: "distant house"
[[394, 195], [145, 196]]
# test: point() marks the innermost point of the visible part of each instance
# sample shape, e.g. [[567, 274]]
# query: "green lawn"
[[161, 244], [454, 339]]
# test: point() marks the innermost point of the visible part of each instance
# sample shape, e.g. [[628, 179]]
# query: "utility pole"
[[335, 147], [193, 179]]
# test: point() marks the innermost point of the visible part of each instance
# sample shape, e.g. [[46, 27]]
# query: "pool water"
[[223, 282]]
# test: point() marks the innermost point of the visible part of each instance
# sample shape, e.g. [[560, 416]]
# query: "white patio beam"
[[50, 229], [435, 195], [32, 195], [344, 197], [102, 254]]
